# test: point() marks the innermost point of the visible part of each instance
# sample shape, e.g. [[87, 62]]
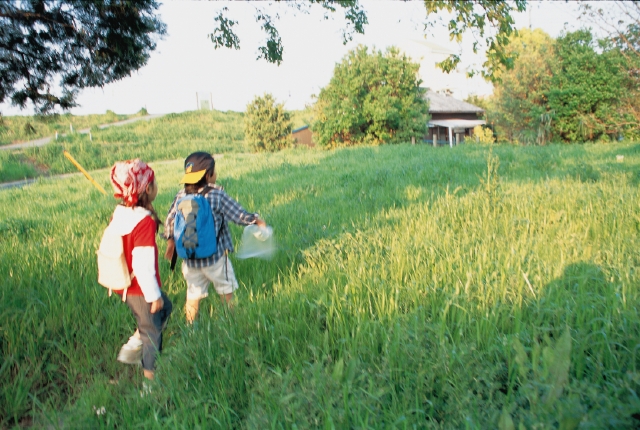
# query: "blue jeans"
[[150, 326]]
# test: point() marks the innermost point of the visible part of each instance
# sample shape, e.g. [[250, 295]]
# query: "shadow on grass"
[[294, 358], [346, 189], [573, 353], [307, 203]]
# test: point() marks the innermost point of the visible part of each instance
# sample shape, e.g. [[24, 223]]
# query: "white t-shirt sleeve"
[[144, 269]]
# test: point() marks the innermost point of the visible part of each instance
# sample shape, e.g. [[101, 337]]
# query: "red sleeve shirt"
[[144, 234]]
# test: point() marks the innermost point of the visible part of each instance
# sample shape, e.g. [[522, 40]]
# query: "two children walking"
[[137, 222]]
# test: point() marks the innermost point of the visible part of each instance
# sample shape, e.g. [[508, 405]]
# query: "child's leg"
[[150, 328], [224, 280], [191, 310], [197, 289]]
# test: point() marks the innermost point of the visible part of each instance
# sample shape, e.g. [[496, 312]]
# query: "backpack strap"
[[174, 259], [203, 193]]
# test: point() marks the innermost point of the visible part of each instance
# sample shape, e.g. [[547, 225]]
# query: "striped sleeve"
[[234, 212]]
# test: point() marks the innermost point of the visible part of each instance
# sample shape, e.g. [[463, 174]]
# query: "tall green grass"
[[22, 128], [169, 137], [415, 287], [15, 166]]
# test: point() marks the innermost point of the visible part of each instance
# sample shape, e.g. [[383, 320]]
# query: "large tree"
[[573, 89], [586, 89], [518, 108], [489, 21], [619, 23], [50, 49], [371, 98]]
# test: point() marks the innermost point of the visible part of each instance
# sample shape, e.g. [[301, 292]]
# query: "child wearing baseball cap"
[[200, 178]]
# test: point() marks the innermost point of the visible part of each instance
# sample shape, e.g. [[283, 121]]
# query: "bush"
[[372, 98], [267, 125], [483, 134]]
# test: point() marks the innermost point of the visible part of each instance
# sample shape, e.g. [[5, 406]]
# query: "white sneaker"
[[131, 352]]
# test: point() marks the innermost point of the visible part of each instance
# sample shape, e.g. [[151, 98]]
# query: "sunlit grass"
[[168, 137], [13, 166], [474, 287], [15, 129]]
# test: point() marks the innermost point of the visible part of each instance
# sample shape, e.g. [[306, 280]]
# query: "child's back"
[[200, 177]]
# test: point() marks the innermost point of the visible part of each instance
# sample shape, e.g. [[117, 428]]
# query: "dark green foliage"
[[71, 44], [28, 128], [489, 21], [371, 98], [569, 89], [224, 36], [585, 89], [477, 17], [267, 126]]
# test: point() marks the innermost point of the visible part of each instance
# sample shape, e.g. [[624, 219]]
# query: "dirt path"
[[44, 140], [17, 184]]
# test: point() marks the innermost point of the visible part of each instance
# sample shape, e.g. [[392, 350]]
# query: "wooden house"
[[452, 120]]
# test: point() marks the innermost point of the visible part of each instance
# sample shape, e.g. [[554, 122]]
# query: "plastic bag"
[[257, 242]]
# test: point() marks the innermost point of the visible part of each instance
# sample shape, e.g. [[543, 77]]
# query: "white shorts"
[[223, 279]]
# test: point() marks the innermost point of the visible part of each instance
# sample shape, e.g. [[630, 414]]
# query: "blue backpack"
[[194, 229]]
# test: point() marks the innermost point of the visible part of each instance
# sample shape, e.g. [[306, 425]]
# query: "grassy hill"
[[170, 137], [473, 287], [15, 129]]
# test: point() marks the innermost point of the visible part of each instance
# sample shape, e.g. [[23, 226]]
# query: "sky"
[[185, 61]]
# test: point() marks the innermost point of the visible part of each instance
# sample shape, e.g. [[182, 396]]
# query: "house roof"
[[299, 129], [441, 103]]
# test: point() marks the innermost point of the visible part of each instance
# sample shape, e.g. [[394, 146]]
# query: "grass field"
[[415, 287], [15, 129], [168, 137]]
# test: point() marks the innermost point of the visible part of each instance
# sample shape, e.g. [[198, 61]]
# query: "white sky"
[[185, 62]]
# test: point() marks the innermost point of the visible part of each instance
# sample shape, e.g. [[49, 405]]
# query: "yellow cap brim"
[[193, 177]]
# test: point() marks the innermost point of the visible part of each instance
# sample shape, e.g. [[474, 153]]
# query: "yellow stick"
[[84, 172]]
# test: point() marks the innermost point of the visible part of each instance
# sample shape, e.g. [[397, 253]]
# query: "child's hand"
[[157, 305], [171, 246], [260, 223]]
